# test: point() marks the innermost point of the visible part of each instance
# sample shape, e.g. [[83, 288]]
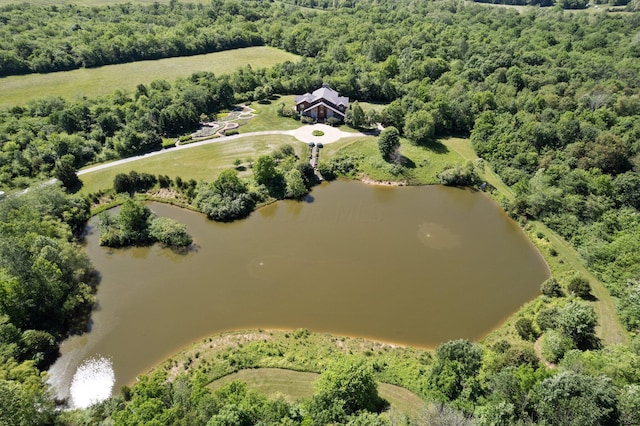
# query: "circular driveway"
[[331, 134]]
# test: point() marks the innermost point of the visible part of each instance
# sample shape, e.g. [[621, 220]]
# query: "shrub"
[[283, 151], [317, 133], [578, 320], [555, 345], [333, 121], [326, 171], [122, 183], [164, 181], [344, 165], [547, 319], [459, 175], [580, 287], [524, 327], [551, 288], [133, 182], [169, 232], [389, 142], [307, 120]]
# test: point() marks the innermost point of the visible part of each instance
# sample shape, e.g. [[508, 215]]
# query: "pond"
[[409, 265]]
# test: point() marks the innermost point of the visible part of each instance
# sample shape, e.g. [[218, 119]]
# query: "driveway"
[[304, 134], [331, 134]]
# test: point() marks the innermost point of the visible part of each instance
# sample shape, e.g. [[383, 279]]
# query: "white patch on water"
[[92, 382]]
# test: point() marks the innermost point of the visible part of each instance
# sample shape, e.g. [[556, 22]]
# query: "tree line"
[[59, 38], [47, 287]]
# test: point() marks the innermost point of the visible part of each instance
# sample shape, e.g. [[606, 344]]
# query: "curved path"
[[303, 134]]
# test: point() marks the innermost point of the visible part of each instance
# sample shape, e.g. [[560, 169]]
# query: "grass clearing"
[[91, 82], [267, 116], [424, 162], [463, 148], [294, 386], [199, 162]]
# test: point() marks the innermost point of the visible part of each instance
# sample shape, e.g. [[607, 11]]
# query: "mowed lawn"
[[295, 386], [91, 82], [203, 162], [422, 163]]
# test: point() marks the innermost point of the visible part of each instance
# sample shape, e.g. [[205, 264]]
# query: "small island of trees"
[[135, 224]]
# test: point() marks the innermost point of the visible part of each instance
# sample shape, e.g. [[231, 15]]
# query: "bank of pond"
[[413, 266]]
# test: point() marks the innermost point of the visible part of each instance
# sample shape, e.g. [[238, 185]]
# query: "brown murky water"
[[413, 265]]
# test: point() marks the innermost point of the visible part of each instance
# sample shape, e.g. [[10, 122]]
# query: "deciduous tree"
[[574, 399], [389, 142]]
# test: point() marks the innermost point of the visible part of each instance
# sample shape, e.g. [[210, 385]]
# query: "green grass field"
[[90, 82], [199, 162], [267, 116], [295, 385], [424, 162]]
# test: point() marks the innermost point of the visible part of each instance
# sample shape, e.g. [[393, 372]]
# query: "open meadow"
[[297, 385], [91, 82]]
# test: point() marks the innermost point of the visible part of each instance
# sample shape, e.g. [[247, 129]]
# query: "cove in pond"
[[411, 265]]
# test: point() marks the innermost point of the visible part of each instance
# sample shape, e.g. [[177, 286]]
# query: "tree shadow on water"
[[183, 251]]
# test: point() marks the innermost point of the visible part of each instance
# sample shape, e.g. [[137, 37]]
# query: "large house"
[[322, 104]]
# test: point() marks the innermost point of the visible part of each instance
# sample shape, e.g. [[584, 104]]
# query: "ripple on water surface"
[[92, 382]]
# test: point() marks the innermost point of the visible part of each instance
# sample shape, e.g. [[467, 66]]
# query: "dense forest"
[[550, 98]]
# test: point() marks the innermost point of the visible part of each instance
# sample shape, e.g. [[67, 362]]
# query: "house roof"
[[324, 93]]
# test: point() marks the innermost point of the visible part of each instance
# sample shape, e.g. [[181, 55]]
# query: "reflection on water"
[[410, 265], [92, 382], [437, 236]]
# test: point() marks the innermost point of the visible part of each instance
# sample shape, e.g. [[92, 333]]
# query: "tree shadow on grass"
[[590, 297], [406, 162], [436, 147]]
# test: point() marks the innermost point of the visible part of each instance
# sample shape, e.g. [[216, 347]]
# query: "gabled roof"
[[324, 93], [326, 105]]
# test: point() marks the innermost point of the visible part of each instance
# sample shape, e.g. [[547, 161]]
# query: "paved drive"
[[304, 134]]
